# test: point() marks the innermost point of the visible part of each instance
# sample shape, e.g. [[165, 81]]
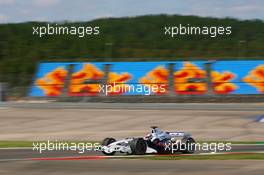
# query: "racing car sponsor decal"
[[176, 134]]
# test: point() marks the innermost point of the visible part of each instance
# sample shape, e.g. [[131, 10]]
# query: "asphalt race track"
[[14, 154], [96, 165], [26, 161], [131, 167]]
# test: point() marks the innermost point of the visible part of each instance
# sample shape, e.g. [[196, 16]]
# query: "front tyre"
[[138, 146], [189, 147], [106, 142]]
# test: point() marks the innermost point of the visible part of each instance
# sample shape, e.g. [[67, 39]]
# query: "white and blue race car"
[[157, 142]]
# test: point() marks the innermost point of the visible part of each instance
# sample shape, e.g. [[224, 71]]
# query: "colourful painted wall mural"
[[148, 78]]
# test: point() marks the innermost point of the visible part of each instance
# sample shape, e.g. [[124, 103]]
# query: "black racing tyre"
[[106, 142], [138, 146], [189, 145]]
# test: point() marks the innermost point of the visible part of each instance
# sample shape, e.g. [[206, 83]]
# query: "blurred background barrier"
[[3, 91], [80, 79], [90, 60]]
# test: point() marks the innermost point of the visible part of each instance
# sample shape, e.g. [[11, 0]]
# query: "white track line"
[[253, 144], [17, 148]]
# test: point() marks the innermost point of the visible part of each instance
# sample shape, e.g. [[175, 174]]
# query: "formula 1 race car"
[[157, 142]]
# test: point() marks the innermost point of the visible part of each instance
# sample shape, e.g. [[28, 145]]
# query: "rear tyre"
[[189, 145], [138, 146], [106, 142]]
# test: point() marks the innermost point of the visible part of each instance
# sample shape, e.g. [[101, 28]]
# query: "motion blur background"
[[139, 37], [40, 77]]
